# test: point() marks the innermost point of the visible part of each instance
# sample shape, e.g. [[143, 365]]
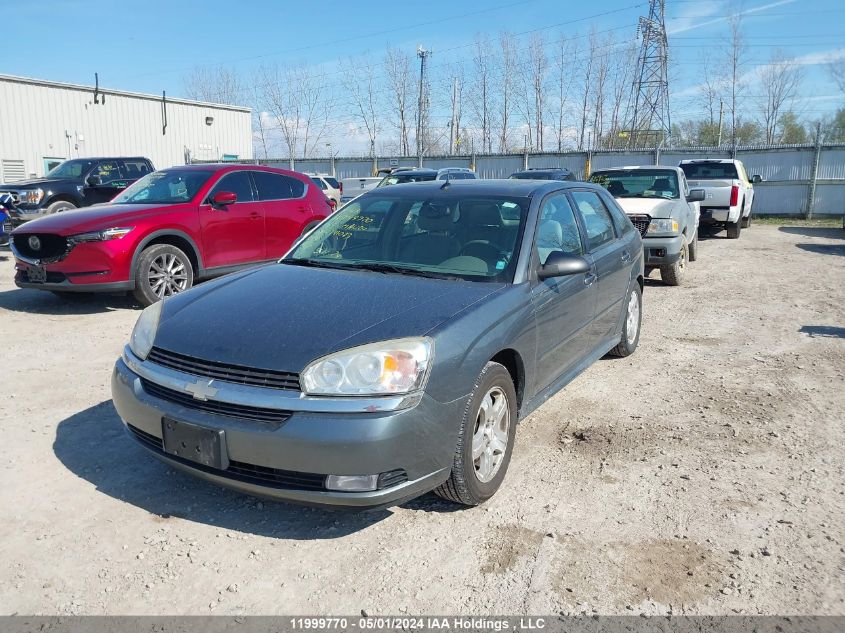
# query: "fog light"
[[352, 483]]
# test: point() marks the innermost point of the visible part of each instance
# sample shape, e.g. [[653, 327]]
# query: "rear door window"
[[108, 171], [597, 220], [277, 186], [134, 169]]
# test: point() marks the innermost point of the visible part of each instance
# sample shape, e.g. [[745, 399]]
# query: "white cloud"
[[691, 16], [691, 22]]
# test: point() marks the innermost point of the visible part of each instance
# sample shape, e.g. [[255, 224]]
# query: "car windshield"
[[710, 171], [408, 176], [169, 186], [70, 169], [420, 232], [638, 183]]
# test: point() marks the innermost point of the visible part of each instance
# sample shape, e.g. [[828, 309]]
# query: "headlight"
[[101, 236], [32, 196], [391, 367], [664, 226], [141, 341]]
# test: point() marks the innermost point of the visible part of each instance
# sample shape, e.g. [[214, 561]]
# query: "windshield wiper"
[[382, 267], [313, 263]]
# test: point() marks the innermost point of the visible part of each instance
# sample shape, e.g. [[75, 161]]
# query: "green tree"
[[834, 130], [792, 131]]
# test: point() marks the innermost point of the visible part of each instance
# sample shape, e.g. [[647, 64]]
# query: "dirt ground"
[[703, 475]]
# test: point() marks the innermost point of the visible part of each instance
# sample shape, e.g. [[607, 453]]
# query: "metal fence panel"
[[439, 162], [771, 198], [620, 159], [832, 164], [497, 166], [830, 198], [780, 165], [574, 162], [353, 168]]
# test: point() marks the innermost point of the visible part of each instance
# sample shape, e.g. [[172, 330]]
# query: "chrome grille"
[[226, 372]]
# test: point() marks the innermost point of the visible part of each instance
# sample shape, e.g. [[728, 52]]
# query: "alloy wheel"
[[490, 436], [168, 275], [632, 322]]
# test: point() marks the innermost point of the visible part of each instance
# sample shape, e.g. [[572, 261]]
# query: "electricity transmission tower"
[[422, 106], [650, 120]]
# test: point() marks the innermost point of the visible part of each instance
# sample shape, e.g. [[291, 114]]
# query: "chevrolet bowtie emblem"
[[201, 390]]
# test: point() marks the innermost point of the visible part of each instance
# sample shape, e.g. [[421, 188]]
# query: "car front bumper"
[[418, 442], [661, 251]]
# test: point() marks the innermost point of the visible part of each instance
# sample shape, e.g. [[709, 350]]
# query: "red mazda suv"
[[169, 229]]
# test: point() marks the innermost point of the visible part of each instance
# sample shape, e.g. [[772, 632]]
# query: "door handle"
[[589, 279], [626, 257]]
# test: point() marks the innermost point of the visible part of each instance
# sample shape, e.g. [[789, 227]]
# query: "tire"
[[472, 483], [734, 229], [746, 221], [673, 275], [628, 344], [162, 270], [58, 206], [693, 248]]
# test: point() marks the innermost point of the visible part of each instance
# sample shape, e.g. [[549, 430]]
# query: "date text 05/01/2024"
[[412, 623]]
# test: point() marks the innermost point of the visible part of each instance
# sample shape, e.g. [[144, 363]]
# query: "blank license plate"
[[195, 443], [36, 274]]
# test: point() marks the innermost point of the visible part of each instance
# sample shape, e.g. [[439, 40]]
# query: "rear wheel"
[[746, 221], [693, 248], [631, 326], [734, 229], [163, 270], [59, 206], [486, 438], [673, 274]]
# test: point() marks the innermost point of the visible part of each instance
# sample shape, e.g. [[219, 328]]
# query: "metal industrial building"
[[45, 122]]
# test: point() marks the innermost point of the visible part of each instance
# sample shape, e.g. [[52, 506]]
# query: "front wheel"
[[631, 326], [58, 207], [486, 438], [163, 270], [673, 274]]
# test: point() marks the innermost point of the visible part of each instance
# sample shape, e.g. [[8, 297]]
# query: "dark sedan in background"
[[393, 349]]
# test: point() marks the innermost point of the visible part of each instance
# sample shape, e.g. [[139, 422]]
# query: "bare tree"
[[837, 72], [586, 73], [480, 93], [214, 84], [400, 84], [454, 84], [300, 102], [711, 87], [360, 84], [599, 84], [621, 76], [507, 83], [735, 50], [779, 83], [565, 55], [539, 71]]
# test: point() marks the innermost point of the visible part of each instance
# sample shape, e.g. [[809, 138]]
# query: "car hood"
[[654, 207], [94, 218], [283, 317], [43, 183]]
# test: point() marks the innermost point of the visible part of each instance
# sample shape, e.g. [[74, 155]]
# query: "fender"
[[165, 233]]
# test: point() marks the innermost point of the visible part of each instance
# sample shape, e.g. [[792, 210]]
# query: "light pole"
[[331, 156]]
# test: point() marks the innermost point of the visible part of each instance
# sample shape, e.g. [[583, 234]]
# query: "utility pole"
[[721, 112], [814, 175], [651, 86], [423, 54], [453, 124]]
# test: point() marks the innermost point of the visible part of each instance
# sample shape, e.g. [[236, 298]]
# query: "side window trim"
[[582, 222]]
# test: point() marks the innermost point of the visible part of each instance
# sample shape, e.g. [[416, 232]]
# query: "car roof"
[[707, 160], [109, 158], [224, 167], [535, 170], [491, 187], [635, 167], [413, 170]]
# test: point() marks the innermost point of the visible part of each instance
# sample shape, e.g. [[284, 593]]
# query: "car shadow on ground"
[[834, 233], [712, 233], [823, 331], [824, 249], [41, 302], [93, 445]]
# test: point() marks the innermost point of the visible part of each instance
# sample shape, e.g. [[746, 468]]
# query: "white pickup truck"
[[728, 192]]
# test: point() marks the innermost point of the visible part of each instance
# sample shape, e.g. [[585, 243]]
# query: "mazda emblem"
[[34, 243]]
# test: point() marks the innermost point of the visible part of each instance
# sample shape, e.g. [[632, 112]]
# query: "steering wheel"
[[485, 250]]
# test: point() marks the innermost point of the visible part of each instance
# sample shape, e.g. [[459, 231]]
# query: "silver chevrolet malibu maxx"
[[392, 351]]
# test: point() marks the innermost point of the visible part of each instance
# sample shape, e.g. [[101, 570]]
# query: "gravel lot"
[[705, 474]]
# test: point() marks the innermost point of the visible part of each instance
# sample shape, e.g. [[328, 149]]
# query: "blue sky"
[[150, 46]]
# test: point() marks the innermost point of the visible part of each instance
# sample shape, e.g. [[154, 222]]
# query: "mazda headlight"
[[101, 236], [144, 333], [663, 226], [390, 367], [32, 196]]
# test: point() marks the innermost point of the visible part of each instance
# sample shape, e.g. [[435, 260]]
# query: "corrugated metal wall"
[[41, 120], [787, 171]]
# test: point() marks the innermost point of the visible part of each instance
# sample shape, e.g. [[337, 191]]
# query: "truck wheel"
[[485, 441], [746, 222], [673, 275], [733, 229], [693, 248], [58, 206], [162, 270], [631, 326]]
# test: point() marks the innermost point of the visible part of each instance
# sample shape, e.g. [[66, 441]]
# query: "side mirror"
[[224, 199], [755, 179], [94, 181], [696, 195], [559, 264]]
